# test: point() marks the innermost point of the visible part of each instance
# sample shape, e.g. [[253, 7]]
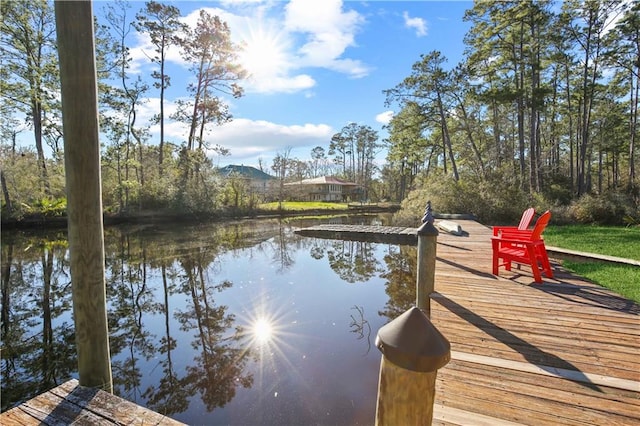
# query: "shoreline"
[[159, 217]]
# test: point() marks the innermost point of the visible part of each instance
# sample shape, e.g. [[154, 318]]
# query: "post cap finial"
[[428, 214]]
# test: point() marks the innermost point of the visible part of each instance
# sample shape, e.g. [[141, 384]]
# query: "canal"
[[239, 322]]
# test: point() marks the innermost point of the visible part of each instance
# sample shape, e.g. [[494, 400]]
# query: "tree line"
[[544, 104], [137, 175], [543, 109]]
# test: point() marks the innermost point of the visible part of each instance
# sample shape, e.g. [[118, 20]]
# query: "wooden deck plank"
[[444, 415], [573, 375], [71, 403]]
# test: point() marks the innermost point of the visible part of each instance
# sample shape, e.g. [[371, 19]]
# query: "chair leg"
[[534, 264], [541, 255], [494, 247], [544, 259]]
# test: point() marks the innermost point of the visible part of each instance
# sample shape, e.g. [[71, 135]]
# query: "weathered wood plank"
[[71, 403], [573, 375], [443, 415], [367, 233], [577, 393]]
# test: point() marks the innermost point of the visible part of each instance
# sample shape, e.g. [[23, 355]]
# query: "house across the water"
[[324, 188], [257, 180]]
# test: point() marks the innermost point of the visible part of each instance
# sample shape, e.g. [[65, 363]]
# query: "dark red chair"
[[524, 247]]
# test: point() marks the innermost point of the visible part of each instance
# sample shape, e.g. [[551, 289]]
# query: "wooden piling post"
[[425, 277], [75, 34], [412, 352]]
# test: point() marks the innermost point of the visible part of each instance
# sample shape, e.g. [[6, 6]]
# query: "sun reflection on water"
[[271, 338], [262, 331]]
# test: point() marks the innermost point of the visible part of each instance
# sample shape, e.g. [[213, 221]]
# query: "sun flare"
[[262, 331], [263, 54]]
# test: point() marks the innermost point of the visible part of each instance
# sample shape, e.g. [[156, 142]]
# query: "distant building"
[[325, 188], [258, 181]]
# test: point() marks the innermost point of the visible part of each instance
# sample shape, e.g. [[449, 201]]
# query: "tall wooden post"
[[412, 352], [425, 277], [74, 26]]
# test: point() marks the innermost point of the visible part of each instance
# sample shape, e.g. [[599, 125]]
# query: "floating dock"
[[366, 233]]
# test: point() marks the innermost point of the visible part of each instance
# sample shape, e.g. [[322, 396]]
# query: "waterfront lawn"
[[301, 206], [607, 240], [623, 279]]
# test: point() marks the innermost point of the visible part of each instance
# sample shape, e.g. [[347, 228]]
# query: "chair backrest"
[[541, 223], [525, 220]]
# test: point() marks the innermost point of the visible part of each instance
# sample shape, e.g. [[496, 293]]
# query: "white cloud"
[[277, 84], [250, 139], [418, 24], [384, 117], [246, 139], [328, 31]]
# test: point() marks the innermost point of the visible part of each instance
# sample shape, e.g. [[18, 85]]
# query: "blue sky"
[[316, 66]]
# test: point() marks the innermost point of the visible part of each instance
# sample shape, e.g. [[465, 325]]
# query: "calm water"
[[229, 323]]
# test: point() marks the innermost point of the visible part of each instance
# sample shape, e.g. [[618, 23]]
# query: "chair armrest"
[[498, 229], [515, 240], [517, 233]]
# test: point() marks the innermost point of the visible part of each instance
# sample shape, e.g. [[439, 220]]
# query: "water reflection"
[[360, 326], [262, 331], [228, 323]]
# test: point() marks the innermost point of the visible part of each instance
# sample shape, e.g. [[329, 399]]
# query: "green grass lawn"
[[301, 206], [607, 240]]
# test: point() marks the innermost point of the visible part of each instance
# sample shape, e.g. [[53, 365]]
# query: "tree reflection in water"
[[37, 331], [184, 329], [400, 274]]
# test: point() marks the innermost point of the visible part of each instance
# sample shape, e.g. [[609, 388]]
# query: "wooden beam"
[[74, 26]]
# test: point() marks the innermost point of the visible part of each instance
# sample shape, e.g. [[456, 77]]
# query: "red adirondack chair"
[[524, 247], [525, 220]]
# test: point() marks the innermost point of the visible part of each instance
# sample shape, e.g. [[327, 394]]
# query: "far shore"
[[159, 216]]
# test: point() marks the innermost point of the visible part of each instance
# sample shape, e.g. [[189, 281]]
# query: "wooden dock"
[[565, 352], [367, 233], [71, 403]]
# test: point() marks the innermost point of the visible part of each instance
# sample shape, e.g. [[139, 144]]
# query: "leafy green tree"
[[318, 161], [29, 69], [215, 66], [428, 86], [124, 158], [586, 27], [409, 151], [339, 148], [622, 51], [162, 24], [506, 46], [359, 145]]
